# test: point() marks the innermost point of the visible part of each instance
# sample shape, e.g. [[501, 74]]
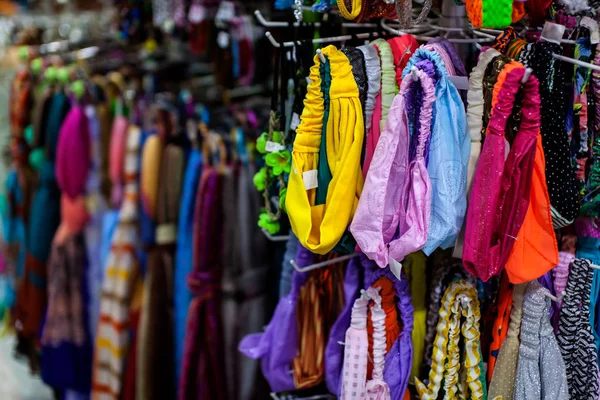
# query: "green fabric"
[[497, 13], [323, 171]]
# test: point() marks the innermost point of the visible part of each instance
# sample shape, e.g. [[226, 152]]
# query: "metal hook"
[[282, 238], [321, 56], [322, 263], [554, 298]]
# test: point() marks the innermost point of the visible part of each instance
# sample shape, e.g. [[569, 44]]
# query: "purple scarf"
[[203, 375], [398, 361], [278, 344]]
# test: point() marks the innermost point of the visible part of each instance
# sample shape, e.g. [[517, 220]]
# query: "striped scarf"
[[575, 337], [459, 314], [122, 271]]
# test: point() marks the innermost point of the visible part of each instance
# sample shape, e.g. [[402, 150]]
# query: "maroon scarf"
[[203, 362]]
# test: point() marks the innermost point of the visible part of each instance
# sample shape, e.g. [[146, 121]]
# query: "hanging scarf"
[[354, 383], [44, 218], [251, 281], [499, 185], [461, 370], [500, 328], [389, 86], [398, 357], [560, 275], [536, 251], [502, 382], [575, 337], [402, 49], [319, 304], [97, 207], [373, 71], [591, 201], [183, 254], [540, 370], [475, 110], [397, 194], [120, 277], [73, 153], [118, 140], [554, 83], [277, 345], [589, 248], [415, 269], [66, 346], [202, 374], [448, 157], [319, 228], [156, 378]]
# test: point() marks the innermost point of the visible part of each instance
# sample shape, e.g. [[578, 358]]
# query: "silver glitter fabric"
[[541, 371], [373, 77]]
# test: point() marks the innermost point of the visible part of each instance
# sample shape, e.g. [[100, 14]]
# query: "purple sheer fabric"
[[398, 360], [278, 344]]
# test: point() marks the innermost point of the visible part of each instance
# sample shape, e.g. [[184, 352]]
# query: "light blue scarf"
[[448, 157]]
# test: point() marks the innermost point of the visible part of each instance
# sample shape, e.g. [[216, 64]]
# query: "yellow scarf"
[[319, 228]]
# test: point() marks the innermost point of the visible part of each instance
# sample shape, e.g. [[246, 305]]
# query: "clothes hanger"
[[322, 264], [280, 24]]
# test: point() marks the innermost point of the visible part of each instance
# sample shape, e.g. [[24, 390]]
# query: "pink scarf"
[[397, 195], [501, 189]]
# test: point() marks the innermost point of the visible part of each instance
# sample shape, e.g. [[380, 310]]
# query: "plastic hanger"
[[322, 264]]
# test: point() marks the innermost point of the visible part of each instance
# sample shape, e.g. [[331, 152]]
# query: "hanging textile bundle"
[[461, 371], [320, 227], [397, 194], [499, 185], [448, 149], [575, 337], [541, 369]]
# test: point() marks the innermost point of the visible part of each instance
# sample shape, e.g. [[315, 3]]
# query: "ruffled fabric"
[[389, 86], [541, 370], [502, 186], [502, 383], [320, 227], [334, 352], [373, 69], [377, 388], [397, 195], [448, 157], [460, 368]]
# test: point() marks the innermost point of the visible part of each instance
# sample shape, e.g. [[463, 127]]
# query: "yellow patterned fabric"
[[320, 227], [459, 367], [344, 12], [414, 265], [389, 86]]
